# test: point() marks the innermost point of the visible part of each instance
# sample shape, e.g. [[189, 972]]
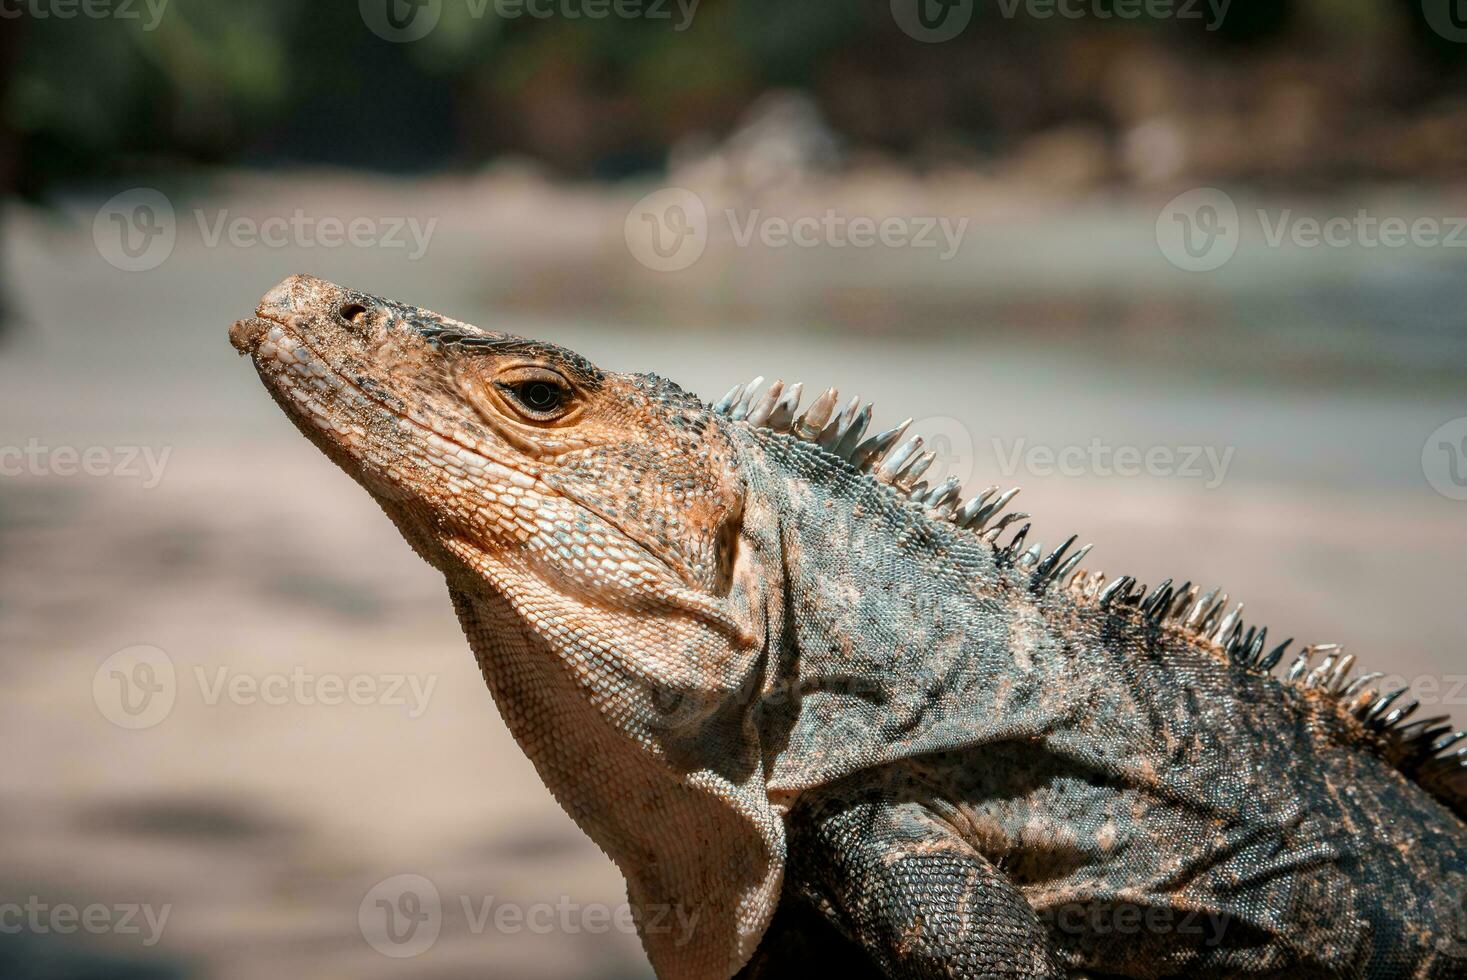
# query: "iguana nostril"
[[352, 312]]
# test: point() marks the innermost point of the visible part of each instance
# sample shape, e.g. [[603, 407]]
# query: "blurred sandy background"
[[1318, 373]]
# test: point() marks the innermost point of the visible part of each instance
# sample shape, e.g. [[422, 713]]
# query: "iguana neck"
[[660, 769], [877, 605]]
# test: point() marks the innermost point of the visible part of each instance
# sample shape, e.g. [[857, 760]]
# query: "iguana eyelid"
[[503, 383], [516, 373]]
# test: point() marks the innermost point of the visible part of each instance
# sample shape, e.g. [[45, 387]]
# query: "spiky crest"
[[1428, 750]]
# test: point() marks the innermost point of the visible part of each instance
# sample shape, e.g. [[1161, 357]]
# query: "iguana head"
[[588, 524], [522, 449]]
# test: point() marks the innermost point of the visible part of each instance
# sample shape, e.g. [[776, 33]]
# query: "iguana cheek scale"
[[766, 667]]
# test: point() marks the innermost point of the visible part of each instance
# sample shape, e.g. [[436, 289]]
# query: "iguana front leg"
[[921, 900]]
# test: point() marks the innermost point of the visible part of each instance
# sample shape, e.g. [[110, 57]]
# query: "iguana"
[[768, 669]]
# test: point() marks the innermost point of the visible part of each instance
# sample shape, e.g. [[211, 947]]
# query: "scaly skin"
[[765, 670]]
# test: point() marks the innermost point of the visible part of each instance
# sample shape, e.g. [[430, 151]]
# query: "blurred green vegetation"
[[280, 81]]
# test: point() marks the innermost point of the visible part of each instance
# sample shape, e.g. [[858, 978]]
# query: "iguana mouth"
[[277, 345]]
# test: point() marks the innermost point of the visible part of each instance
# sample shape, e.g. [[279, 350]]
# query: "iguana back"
[[1119, 753]]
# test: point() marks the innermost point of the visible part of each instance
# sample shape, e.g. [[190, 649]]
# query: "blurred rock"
[[782, 139]]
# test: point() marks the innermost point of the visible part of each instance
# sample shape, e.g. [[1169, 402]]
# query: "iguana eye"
[[538, 394]]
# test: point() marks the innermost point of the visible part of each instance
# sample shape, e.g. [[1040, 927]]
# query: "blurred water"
[[1317, 374]]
